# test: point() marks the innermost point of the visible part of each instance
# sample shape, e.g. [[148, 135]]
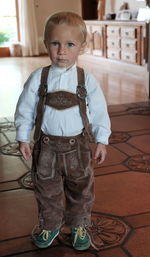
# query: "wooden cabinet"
[[122, 41]]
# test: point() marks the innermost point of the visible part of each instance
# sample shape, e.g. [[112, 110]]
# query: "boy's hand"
[[100, 153], [25, 150]]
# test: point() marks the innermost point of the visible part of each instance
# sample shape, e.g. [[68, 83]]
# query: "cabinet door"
[[98, 44], [89, 46]]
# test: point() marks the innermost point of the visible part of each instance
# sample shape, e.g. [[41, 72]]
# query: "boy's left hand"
[[100, 153]]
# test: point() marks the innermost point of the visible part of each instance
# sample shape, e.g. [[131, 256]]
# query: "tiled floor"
[[121, 213]]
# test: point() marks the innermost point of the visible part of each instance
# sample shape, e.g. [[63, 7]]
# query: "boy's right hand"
[[25, 150]]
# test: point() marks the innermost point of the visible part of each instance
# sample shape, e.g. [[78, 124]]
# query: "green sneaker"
[[80, 239], [45, 238]]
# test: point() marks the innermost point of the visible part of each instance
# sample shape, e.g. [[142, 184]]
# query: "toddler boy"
[[68, 109]]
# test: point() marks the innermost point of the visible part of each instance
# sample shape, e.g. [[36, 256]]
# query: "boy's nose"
[[62, 49]]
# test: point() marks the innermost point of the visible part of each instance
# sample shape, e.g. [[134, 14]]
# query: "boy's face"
[[64, 44]]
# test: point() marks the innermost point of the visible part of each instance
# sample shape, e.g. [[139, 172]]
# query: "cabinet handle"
[[112, 31], [127, 45], [127, 57], [113, 54], [112, 43], [127, 33]]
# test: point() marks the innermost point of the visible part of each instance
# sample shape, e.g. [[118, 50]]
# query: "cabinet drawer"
[[129, 56], [113, 43], [128, 32], [113, 54], [113, 31], [129, 44]]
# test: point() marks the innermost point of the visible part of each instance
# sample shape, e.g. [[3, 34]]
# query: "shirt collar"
[[59, 70]]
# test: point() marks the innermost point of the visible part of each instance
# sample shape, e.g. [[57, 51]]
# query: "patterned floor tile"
[[128, 149], [122, 194], [12, 168], [138, 245], [110, 169], [3, 140], [130, 123], [18, 215], [13, 246], [139, 220], [57, 252], [116, 252], [9, 186], [141, 142]]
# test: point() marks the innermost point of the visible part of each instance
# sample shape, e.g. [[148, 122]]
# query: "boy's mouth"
[[61, 60]]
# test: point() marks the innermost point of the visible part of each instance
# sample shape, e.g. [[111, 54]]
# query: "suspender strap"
[[81, 93], [42, 98]]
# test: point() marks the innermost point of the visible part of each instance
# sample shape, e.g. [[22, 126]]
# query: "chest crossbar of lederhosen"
[[61, 100]]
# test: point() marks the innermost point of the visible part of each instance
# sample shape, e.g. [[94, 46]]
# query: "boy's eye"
[[71, 44], [54, 43]]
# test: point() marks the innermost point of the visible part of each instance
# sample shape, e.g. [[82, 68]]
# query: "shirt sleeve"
[[97, 110], [26, 108]]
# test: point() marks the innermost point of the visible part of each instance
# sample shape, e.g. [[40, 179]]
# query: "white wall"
[[44, 8], [133, 4], [114, 5]]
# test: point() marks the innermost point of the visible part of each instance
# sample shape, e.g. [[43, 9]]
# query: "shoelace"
[[44, 234], [81, 233]]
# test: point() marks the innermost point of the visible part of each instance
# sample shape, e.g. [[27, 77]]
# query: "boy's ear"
[[83, 47]]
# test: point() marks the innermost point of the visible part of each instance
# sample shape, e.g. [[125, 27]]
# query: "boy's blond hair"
[[68, 18]]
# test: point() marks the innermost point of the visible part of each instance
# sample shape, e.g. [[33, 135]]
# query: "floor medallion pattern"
[[105, 232], [25, 181], [117, 228], [118, 137], [10, 149], [139, 163]]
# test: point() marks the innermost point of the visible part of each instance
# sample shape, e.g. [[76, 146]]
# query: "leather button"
[[72, 141], [46, 140]]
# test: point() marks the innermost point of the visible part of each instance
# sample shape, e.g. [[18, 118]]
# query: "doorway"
[[89, 9]]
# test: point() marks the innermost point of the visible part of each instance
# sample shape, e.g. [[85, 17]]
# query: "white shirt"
[[66, 122]]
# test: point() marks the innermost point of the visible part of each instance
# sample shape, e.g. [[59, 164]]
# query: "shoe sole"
[[47, 245], [82, 248]]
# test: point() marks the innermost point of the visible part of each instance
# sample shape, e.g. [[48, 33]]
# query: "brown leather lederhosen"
[[61, 167]]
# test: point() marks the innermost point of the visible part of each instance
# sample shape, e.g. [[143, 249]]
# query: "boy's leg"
[[79, 197], [79, 191], [79, 186], [48, 185]]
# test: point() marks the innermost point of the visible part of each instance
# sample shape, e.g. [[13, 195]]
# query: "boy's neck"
[[63, 68]]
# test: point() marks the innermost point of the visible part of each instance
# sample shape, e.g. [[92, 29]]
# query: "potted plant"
[[4, 50]]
